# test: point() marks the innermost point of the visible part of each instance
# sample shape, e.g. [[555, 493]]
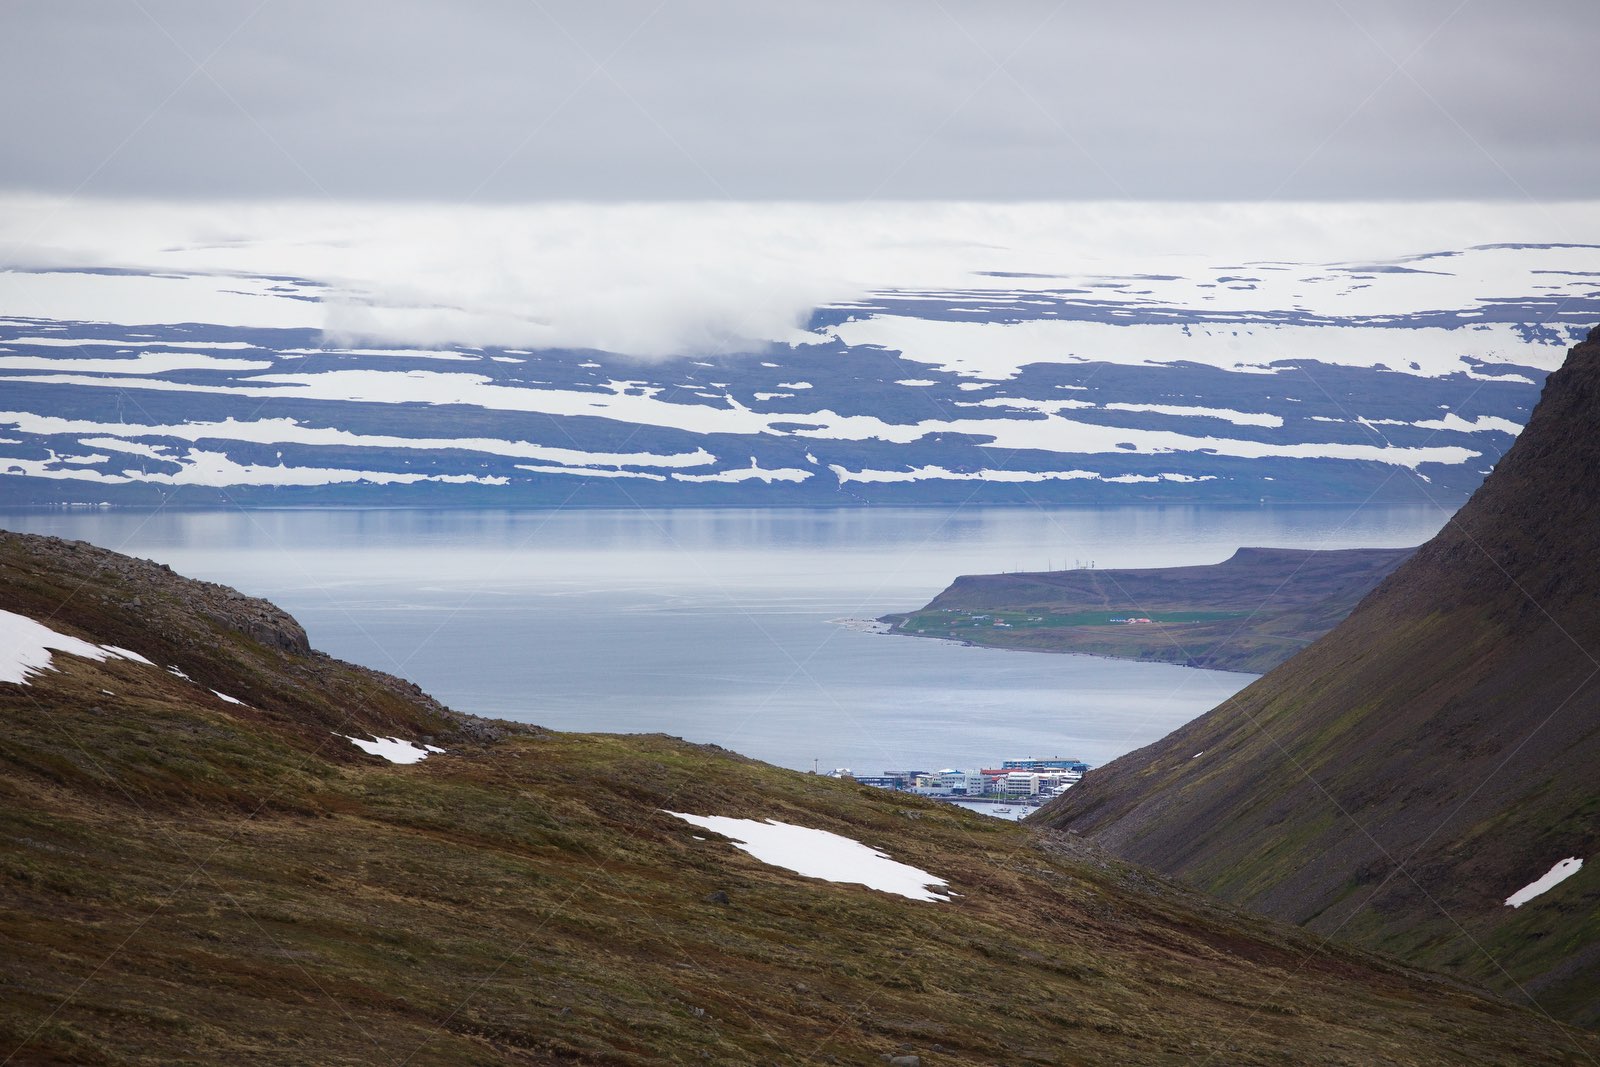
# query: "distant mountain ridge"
[[1437, 751], [1390, 381]]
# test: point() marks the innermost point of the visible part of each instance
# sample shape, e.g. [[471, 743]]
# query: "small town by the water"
[[1030, 781]]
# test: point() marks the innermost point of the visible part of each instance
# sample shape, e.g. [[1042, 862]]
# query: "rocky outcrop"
[[154, 588], [220, 637]]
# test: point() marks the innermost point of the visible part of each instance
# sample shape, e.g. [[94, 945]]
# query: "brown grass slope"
[[1438, 750], [1248, 613], [185, 880]]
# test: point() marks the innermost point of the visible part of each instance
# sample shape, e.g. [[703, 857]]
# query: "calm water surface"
[[718, 625]]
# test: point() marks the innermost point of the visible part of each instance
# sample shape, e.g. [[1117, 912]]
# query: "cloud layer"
[[658, 279], [511, 101]]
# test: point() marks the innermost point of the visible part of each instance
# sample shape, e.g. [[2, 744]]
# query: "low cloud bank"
[[658, 279]]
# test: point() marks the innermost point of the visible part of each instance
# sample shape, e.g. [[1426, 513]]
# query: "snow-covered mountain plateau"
[[1399, 379]]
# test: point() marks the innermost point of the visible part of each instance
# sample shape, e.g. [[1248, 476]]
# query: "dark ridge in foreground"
[[1248, 613], [1439, 750], [198, 868]]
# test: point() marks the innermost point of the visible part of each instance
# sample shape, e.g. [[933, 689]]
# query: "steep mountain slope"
[[1438, 750], [197, 868], [1248, 613]]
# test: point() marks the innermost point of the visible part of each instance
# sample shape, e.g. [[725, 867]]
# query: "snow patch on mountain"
[[289, 431], [997, 351], [1563, 870], [28, 647], [827, 856], [393, 749]]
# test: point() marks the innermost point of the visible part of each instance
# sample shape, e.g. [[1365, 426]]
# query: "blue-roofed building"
[[1056, 764]]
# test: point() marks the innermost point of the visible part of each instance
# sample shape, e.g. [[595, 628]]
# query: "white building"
[[1018, 783], [948, 783]]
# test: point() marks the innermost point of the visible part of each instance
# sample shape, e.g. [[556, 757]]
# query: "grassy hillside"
[[1248, 613], [1440, 749], [187, 879]]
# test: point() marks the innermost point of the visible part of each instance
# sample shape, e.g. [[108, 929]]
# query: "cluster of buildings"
[[1014, 779]]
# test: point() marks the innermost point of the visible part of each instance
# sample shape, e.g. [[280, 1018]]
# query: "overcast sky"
[[528, 100]]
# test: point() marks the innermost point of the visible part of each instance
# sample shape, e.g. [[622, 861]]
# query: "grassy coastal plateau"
[[198, 868], [1248, 613]]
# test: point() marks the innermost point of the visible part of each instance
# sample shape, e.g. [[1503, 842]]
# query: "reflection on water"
[[1012, 811], [714, 624]]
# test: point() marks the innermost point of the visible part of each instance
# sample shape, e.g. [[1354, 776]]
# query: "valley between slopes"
[[200, 866]]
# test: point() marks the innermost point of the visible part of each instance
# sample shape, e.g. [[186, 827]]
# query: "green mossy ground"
[[184, 880]]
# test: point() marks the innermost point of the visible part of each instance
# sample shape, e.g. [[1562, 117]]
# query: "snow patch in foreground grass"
[[393, 749], [1551, 878], [820, 854], [26, 647]]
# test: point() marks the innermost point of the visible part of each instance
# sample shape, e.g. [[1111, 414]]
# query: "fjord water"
[[721, 626]]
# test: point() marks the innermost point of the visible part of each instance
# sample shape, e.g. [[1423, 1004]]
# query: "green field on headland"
[[1248, 613]]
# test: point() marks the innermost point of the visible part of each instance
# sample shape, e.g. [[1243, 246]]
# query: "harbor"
[[1008, 791]]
